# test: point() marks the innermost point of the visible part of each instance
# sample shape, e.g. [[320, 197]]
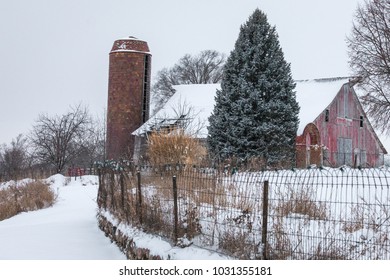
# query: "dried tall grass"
[[301, 201], [174, 147], [30, 196]]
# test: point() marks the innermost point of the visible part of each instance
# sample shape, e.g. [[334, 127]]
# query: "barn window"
[[326, 115], [361, 121]]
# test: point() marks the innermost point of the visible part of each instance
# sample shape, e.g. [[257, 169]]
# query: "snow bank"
[[7, 184], [156, 245], [66, 231]]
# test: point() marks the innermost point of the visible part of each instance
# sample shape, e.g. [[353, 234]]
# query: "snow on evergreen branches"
[[256, 112]]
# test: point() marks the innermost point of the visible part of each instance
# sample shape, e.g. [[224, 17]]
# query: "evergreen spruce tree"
[[256, 112]]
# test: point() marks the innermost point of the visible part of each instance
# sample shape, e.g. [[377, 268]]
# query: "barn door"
[[344, 151]]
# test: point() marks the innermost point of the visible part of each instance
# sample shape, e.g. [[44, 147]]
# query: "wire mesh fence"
[[319, 213]]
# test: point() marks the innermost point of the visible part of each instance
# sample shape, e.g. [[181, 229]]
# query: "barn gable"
[[345, 135]]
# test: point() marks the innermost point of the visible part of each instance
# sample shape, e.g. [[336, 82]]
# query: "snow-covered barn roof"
[[200, 97], [313, 97]]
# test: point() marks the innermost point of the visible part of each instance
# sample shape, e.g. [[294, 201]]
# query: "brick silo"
[[128, 95]]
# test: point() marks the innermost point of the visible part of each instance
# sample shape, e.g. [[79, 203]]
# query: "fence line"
[[33, 173], [42, 173], [287, 214]]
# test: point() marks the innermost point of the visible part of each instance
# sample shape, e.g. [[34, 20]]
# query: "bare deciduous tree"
[[204, 68], [369, 58], [14, 158], [182, 115], [57, 140], [93, 146]]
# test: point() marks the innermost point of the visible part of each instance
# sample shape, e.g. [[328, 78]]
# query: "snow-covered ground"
[[69, 229], [336, 213]]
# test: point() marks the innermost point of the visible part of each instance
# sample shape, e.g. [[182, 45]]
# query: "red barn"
[[339, 133]]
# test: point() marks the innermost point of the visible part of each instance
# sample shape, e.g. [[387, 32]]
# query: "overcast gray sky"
[[54, 53]]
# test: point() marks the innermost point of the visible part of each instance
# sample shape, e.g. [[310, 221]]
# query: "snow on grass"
[[351, 209], [68, 230], [318, 213], [160, 247], [5, 185]]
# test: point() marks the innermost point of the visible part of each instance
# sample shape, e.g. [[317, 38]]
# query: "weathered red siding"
[[308, 146], [346, 136]]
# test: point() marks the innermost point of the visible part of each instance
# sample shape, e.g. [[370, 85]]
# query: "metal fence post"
[[139, 196], [175, 209], [265, 219]]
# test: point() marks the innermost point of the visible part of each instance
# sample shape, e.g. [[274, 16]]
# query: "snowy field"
[[69, 229], [319, 213], [66, 231]]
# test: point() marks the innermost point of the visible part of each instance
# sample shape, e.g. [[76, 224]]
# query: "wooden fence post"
[[139, 196], [122, 185], [99, 195], [265, 220], [112, 204], [175, 209]]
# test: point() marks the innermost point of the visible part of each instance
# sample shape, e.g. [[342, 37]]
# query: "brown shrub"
[[30, 196], [301, 201], [356, 221], [174, 147], [237, 244]]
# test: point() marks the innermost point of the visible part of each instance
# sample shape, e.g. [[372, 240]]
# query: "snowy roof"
[[131, 38], [199, 98], [313, 97], [130, 44]]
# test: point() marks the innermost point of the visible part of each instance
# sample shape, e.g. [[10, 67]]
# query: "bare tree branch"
[[13, 158], [369, 58], [59, 139], [205, 68]]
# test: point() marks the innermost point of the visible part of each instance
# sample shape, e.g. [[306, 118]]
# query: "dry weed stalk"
[[245, 192], [375, 239], [329, 250], [174, 146], [159, 182], [30, 196], [237, 244], [157, 216], [300, 201], [279, 245], [356, 221]]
